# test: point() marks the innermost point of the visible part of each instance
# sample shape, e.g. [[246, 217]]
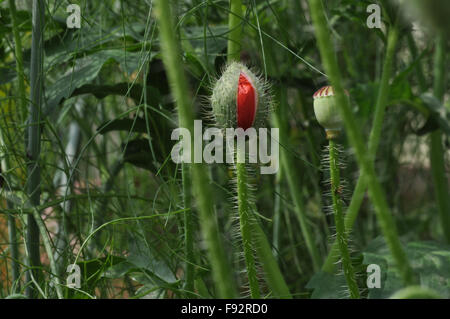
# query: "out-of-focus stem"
[[19, 58], [34, 139], [234, 35], [436, 149], [202, 192]]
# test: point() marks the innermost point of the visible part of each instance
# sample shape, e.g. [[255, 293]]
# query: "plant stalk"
[[48, 248], [7, 127], [19, 58], [437, 153], [245, 219], [272, 272], [13, 244], [12, 229], [341, 235], [277, 213], [234, 35], [64, 180], [188, 230], [202, 192], [34, 139]]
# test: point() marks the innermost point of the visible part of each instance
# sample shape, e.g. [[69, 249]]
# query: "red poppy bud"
[[239, 98]]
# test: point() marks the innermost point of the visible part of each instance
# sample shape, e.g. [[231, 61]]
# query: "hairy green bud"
[[326, 111]]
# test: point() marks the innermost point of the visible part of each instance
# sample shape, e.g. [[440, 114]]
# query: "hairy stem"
[[245, 221], [341, 235], [437, 153], [376, 193], [202, 191], [374, 139], [34, 138]]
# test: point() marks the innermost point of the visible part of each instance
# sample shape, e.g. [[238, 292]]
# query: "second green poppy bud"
[[326, 111]]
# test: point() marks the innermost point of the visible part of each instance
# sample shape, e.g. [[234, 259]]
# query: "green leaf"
[[135, 91], [439, 115], [86, 70], [16, 296], [143, 267], [429, 260], [415, 292], [196, 39], [71, 43], [23, 20], [119, 270], [93, 269], [138, 153], [142, 257], [327, 286], [137, 125]]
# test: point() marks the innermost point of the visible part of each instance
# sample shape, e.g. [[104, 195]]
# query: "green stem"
[[201, 183], [436, 149], [374, 139], [364, 160], [440, 181], [100, 207], [12, 231], [350, 217], [383, 93], [23, 105], [416, 292], [188, 231], [234, 36], [71, 149], [7, 143], [419, 70], [272, 272], [34, 138], [341, 235], [48, 249], [19, 58], [277, 212], [245, 221]]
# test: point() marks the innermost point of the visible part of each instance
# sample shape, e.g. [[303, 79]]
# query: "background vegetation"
[[86, 117]]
